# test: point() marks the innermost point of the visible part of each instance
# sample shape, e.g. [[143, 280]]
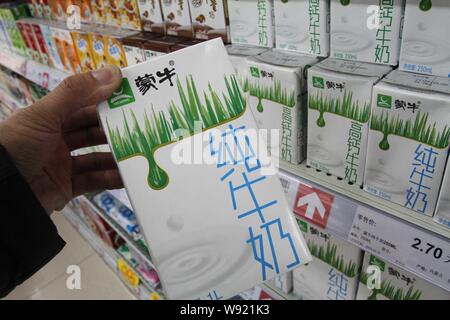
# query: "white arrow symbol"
[[313, 201]]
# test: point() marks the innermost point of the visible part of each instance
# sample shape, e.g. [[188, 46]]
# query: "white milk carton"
[[334, 272], [395, 283], [283, 282], [442, 215], [215, 227], [251, 22], [209, 19], [425, 39], [177, 18], [366, 30], [238, 55], [276, 83], [151, 15], [408, 139], [303, 26], [339, 99]]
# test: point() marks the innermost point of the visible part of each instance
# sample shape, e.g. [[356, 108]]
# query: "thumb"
[[78, 91]]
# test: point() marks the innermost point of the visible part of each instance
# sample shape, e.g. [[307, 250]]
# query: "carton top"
[[419, 81], [355, 67], [244, 50], [285, 59]]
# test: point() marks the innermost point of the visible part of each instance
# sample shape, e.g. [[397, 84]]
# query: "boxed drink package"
[[134, 52], [46, 10], [113, 12], [99, 11], [58, 39], [65, 37], [177, 18], [84, 50], [57, 10], [51, 46], [283, 282], [334, 272], [200, 252], [442, 215], [408, 139], [159, 46], [367, 31], [276, 82], [395, 283], [339, 100], [303, 26], [151, 16], [209, 19], [238, 55], [32, 7], [130, 15], [9, 15], [185, 44], [115, 53], [98, 49], [425, 40], [42, 45], [30, 42], [251, 22], [86, 14]]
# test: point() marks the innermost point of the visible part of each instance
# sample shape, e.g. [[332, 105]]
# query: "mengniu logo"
[[122, 96], [384, 101], [376, 262], [318, 82], [254, 72]]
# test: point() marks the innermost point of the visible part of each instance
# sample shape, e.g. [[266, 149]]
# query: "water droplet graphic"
[[345, 2], [425, 5], [175, 223]]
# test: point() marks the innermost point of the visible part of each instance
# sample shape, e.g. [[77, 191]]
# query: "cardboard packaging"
[[425, 40], [303, 26], [67, 51], [114, 51], [339, 105], [209, 19], [99, 11], [238, 55], [84, 50], [57, 10], [134, 51], [442, 215], [199, 252], [113, 12], [177, 18], [252, 22], [130, 15], [283, 282], [9, 15], [151, 16], [30, 42], [51, 46], [159, 46], [408, 139], [97, 44], [367, 31], [276, 83], [86, 13], [396, 284], [334, 272]]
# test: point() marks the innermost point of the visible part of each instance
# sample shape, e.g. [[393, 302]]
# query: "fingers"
[[91, 136], [85, 117], [96, 181], [96, 161], [78, 91]]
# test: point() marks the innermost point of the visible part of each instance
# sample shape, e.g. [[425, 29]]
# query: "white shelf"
[[40, 74]]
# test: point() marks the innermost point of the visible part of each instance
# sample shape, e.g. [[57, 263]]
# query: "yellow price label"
[[128, 274], [154, 296]]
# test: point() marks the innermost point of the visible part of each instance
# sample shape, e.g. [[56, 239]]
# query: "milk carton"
[[251, 22], [177, 18], [209, 19], [276, 83], [208, 245], [425, 39], [395, 283], [303, 26], [339, 98], [151, 16], [442, 214], [366, 30], [333, 273], [238, 55], [408, 139], [283, 282]]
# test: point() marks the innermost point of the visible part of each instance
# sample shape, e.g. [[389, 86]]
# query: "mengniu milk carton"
[[442, 215], [215, 227]]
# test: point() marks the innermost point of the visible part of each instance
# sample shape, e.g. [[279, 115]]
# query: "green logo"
[[318, 82], [377, 262], [303, 225], [254, 72], [384, 101], [122, 96]]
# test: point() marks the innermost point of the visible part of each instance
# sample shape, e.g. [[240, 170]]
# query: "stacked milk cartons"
[[238, 55], [442, 214], [408, 139], [381, 280], [333, 273]]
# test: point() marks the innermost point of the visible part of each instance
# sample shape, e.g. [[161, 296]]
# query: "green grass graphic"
[[273, 93], [344, 106], [390, 292], [418, 129], [160, 129], [328, 255]]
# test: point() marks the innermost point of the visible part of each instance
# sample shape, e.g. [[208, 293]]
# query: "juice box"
[[151, 16], [199, 252], [339, 100], [58, 39], [159, 46], [396, 283], [51, 45], [425, 40], [303, 26], [57, 10], [185, 44], [66, 49], [86, 14], [115, 53], [210, 19], [408, 139], [252, 22], [98, 11], [46, 9], [367, 31], [130, 15], [276, 82], [42, 45], [84, 50], [442, 215], [177, 18], [134, 51], [113, 12], [334, 272], [32, 9], [9, 16], [97, 44], [32, 50]]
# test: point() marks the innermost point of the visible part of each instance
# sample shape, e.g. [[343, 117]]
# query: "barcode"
[[285, 184]]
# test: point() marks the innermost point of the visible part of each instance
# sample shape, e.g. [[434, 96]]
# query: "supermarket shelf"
[[40, 74]]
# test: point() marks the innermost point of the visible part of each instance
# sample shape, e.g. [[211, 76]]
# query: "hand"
[[39, 140]]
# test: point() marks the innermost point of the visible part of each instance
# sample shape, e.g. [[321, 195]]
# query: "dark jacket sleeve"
[[28, 237]]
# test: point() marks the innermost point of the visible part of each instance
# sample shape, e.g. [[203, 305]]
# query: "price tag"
[[154, 296], [405, 245], [128, 274]]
